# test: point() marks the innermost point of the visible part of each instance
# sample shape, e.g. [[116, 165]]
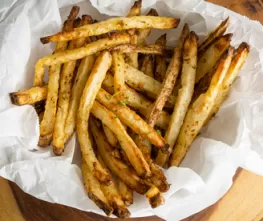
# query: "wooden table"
[[243, 202]]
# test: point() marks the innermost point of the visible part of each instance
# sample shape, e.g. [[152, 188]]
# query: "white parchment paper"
[[232, 139]]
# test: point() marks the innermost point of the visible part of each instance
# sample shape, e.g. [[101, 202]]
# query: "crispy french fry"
[[132, 151], [141, 82], [78, 53], [218, 32], [65, 85], [112, 139], [29, 96], [125, 192], [184, 96], [130, 118], [116, 166], [145, 49], [137, 101], [155, 197], [169, 80], [101, 66], [94, 190], [114, 198], [207, 61], [147, 65], [199, 111], [135, 9], [117, 24], [160, 63]]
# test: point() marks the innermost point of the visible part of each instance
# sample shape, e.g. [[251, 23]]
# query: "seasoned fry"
[[125, 192], [169, 80], [112, 139], [160, 63], [116, 166], [147, 65], [207, 61], [199, 111], [184, 96], [94, 190], [118, 69], [146, 49], [29, 96], [218, 32], [78, 53], [155, 197], [141, 82], [130, 118], [117, 24], [114, 198], [65, 85], [132, 151], [101, 66], [135, 9], [77, 89]]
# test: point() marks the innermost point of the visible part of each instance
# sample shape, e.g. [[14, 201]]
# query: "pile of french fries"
[[135, 107]]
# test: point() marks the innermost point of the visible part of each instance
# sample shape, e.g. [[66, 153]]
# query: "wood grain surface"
[[243, 202]]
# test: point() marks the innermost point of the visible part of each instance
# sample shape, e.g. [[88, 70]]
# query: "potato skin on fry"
[[117, 24], [199, 111]]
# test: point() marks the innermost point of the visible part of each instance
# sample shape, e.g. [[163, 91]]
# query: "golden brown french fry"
[[132, 151], [137, 101], [144, 33], [112, 139], [199, 111], [113, 197], [100, 68], [65, 85], [117, 24], [160, 63], [237, 62], [184, 96], [147, 65], [207, 61], [143, 83], [78, 53], [171, 75], [130, 118], [155, 197], [145, 49], [29, 96], [125, 192], [116, 166], [218, 32], [94, 190], [135, 9]]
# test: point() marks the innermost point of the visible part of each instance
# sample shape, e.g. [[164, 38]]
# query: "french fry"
[[143, 83], [78, 53], [218, 32], [112, 139], [155, 197], [29, 96], [114, 198], [147, 65], [130, 118], [116, 166], [135, 9], [101, 66], [146, 49], [160, 63], [184, 96], [65, 85], [117, 24], [77, 89], [94, 190], [125, 192], [133, 153], [199, 111], [171, 75], [206, 62]]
